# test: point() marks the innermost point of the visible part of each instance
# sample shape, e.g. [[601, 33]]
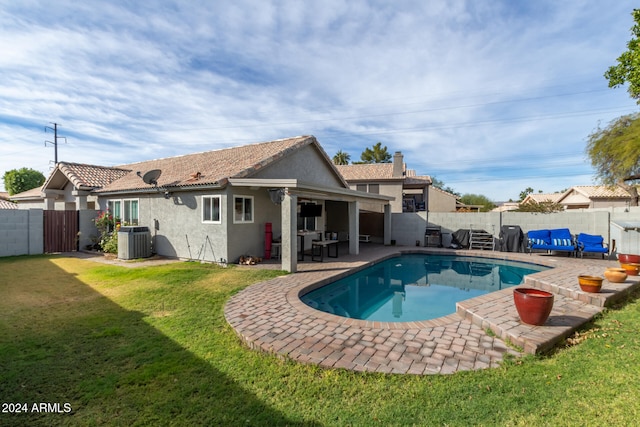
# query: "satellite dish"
[[152, 176]]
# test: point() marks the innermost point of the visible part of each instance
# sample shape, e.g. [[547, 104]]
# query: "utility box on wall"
[[134, 242]]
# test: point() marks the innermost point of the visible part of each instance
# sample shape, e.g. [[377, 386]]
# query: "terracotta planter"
[[590, 283], [615, 275], [533, 305], [629, 258], [632, 269]]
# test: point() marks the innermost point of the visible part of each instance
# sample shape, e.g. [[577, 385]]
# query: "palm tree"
[[341, 158]]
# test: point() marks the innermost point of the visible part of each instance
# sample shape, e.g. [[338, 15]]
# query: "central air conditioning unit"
[[134, 242]]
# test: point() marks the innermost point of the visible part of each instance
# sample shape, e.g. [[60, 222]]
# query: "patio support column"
[[81, 199], [49, 203], [289, 247], [50, 197], [354, 228], [387, 224]]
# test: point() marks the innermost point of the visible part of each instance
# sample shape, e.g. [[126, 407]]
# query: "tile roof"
[[29, 194], [367, 172], [5, 204], [418, 180], [210, 167], [440, 190], [541, 197], [90, 176], [602, 191]]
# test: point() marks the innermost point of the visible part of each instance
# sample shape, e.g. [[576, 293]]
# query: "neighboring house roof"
[[541, 197], [213, 168], [419, 181], [446, 193], [4, 195], [368, 172], [506, 206], [600, 192], [34, 193], [5, 204]]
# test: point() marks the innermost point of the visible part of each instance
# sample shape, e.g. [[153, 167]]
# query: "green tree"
[[626, 70], [478, 200], [545, 206], [524, 193], [19, 180], [615, 153], [438, 183], [376, 154], [341, 158]]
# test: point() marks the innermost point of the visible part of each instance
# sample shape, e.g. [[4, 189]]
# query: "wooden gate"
[[60, 231]]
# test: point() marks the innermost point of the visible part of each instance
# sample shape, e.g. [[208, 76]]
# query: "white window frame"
[[127, 213], [116, 213], [123, 216], [211, 199], [243, 220]]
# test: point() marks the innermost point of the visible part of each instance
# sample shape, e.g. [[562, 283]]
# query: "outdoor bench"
[[559, 239]]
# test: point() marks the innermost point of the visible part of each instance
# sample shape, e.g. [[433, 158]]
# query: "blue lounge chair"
[[559, 239], [588, 243]]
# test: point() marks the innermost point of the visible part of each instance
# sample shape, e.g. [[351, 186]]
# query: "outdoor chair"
[[588, 243]]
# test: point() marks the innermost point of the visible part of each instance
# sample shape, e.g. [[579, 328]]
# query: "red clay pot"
[[629, 258], [533, 305], [590, 283], [632, 269]]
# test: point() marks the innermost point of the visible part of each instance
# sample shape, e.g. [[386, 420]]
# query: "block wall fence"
[[21, 231]]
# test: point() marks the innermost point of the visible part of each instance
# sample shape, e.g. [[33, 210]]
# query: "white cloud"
[[452, 84]]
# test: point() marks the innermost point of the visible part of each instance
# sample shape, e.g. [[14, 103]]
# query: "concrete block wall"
[[21, 232], [596, 222], [406, 228], [451, 222]]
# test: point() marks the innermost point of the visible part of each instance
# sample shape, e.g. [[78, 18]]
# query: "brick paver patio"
[[270, 317]]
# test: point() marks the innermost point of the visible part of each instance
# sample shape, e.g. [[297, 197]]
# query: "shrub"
[[108, 227]]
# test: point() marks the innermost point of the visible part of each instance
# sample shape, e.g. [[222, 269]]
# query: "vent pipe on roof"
[[398, 165]]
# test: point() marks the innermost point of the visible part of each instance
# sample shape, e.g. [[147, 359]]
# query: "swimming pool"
[[415, 287]]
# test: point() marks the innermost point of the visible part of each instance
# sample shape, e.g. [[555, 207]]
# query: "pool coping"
[[269, 316]]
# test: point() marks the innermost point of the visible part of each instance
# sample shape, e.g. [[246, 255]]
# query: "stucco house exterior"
[[542, 197], [594, 196], [220, 200], [585, 197], [410, 192]]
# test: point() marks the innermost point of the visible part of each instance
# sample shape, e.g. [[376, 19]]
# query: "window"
[[369, 188], [115, 209], [129, 215], [211, 209], [243, 209]]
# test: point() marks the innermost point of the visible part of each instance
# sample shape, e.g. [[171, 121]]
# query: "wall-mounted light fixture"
[[276, 195]]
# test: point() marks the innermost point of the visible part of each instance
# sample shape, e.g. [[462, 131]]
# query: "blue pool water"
[[416, 287]]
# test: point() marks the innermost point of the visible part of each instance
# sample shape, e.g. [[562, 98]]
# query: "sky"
[[488, 96]]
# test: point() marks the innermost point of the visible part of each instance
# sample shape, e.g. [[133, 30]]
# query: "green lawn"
[[150, 346]]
